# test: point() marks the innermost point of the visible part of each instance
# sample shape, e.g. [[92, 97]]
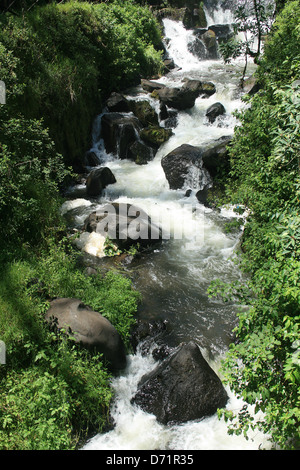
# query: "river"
[[174, 278]]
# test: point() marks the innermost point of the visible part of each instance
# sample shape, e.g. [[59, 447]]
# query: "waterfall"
[[174, 278]]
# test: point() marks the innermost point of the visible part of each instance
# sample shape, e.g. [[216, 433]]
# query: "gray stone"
[[88, 328]]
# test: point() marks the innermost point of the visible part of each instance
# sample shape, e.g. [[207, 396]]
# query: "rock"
[[179, 164], [178, 98], [215, 156], [168, 65], [98, 180], [208, 89], [150, 86], [194, 17], [144, 112], [118, 103], [119, 132], [197, 48], [210, 41], [215, 110], [124, 224], [168, 115], [155, 136], [144, 333], [182, 388], [202, 194], [223, 32], [91, 158], [89, 328], [140, 153]]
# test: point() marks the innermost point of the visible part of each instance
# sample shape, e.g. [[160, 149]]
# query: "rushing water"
[[174, 278]]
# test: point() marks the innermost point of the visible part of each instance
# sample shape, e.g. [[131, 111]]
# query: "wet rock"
[[202, 195], [118, 103], [210, 41], [150, 86], [145, 333], [215, 156], [140, 153], [91, 158], [178, 98], [119, 132], [223, 32], [88, 328], [182, 388], [179, 163], [143, 110], [124, 224], [168, 115], [215, 110], [98, 180], [155, 136]]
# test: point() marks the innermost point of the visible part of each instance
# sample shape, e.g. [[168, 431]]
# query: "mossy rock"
[[144, 112], [155, 135]]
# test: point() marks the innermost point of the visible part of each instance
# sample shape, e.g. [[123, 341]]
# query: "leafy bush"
[[263, 365], [68, 57]]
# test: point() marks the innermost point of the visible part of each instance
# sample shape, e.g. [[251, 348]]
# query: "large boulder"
[[124, 224], [97, 181], [88, 328], [182, 388], [178, 98], [184, 167]]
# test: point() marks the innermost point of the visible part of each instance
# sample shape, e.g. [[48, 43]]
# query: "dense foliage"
[[69, 56], [58, 62], [263, 365]]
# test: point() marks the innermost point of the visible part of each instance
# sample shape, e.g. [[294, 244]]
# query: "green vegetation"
[[263, 365], [68, 57], [58, 62]]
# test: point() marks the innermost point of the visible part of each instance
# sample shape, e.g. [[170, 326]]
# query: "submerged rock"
[[88, 328], [182, 388]]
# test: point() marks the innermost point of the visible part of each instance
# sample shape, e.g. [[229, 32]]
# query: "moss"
[[155, 135]]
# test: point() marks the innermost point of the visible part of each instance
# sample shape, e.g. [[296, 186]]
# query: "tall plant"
[[252, 21]]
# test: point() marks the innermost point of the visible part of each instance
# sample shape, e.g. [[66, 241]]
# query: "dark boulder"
[[88, 328], [215, 156], [124, 224], [118, 103], [182, 388], [119, 132], [141, 153], [143, 110], [97, 181], [215, 110], [178, 98], [91, 158], [179, 164]]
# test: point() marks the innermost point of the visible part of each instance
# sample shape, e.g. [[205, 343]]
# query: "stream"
[[173, 279]]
